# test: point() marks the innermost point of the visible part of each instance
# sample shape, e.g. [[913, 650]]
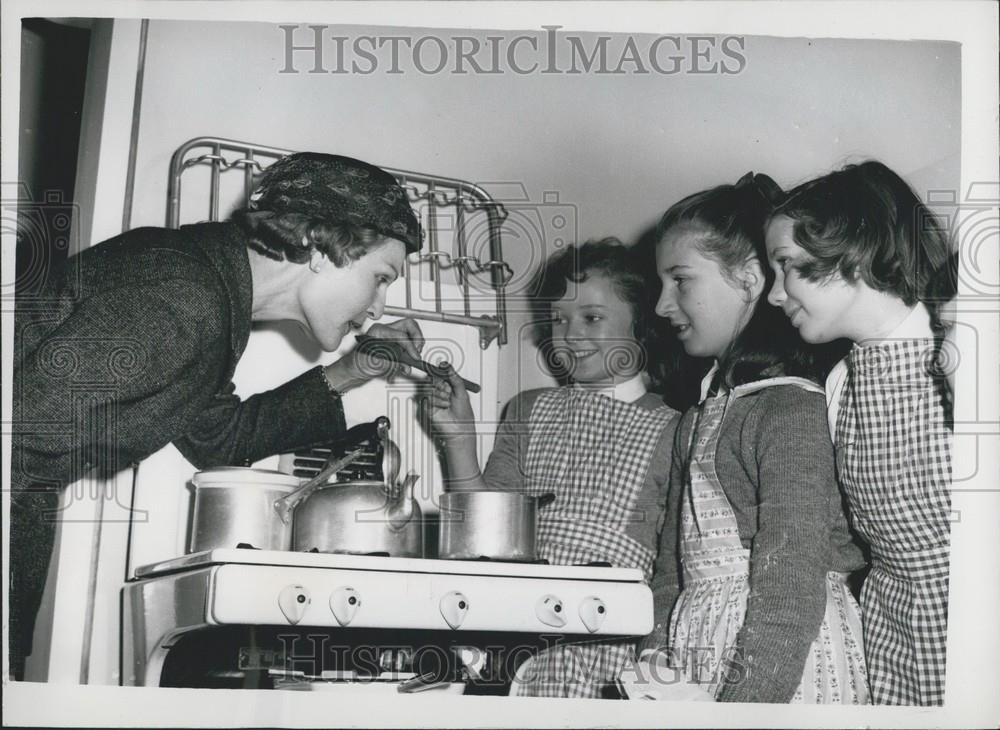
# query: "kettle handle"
[[352, 438], [372, 431], [286, 504], [402, 511]]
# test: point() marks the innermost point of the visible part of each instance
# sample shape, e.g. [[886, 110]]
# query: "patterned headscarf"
[[338, 189]]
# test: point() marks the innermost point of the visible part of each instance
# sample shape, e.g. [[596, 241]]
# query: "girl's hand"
[[454, 425], [355, 368], [450, 409]]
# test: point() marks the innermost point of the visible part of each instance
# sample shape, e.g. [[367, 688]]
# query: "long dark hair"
[[731, 219]]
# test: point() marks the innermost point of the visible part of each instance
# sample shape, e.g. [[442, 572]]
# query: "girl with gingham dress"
[[857, 256], [601, 444]]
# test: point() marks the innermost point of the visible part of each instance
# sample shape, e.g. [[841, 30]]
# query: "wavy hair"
[[865, 222], [632, 279], [294, 236]]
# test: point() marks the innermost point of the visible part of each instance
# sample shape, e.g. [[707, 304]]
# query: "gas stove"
[[171, 598]]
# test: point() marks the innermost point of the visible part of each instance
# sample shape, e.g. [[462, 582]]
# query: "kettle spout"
[[401, 509]]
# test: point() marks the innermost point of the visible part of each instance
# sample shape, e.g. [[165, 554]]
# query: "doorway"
[[54, 55]]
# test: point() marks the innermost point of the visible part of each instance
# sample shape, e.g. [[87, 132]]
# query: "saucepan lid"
[[228, 476]]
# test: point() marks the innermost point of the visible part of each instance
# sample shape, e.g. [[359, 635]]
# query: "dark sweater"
[[130, 346], [775, 463]]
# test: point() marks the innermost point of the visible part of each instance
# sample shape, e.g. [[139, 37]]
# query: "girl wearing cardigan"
[[754, 580]]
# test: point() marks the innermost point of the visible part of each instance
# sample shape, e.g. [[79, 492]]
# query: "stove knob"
[[293, 602], [593, 612], [454, 606], [550, 611], [345, 602]]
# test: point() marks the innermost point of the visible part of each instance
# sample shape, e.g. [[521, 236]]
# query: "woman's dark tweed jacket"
[[132, 346]]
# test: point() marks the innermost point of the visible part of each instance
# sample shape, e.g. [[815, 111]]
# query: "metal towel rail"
[[434, 197]]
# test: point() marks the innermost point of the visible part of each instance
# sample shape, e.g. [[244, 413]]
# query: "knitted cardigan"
[[775, 463]]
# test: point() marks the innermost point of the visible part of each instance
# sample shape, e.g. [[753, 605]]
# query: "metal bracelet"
[[329, 386]]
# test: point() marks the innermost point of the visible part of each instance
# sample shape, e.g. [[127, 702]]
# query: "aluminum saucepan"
[[494, 524], [234, 505]]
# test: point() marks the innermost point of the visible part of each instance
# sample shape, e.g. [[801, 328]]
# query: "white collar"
[[754, 385], [917, 325], [628, 392]]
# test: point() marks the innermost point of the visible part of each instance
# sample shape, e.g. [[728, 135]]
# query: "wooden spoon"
[[393, 351]]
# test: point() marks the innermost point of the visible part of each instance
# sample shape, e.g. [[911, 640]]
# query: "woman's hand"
[[450, 408], [404, 332], [356, 368]]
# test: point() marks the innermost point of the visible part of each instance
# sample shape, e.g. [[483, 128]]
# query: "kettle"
[[360, 517]]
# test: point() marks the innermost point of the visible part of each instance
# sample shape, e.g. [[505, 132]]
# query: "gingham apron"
[[893, 449], [711, 608], [593, 452]]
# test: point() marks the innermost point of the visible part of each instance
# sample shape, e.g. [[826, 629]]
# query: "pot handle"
[[286, 504]]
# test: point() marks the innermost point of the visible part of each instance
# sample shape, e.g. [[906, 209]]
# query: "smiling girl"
[[857, 255], [601, 444], [761, 612]]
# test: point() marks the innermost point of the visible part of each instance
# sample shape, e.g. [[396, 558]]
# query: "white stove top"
[[377, 563], [331, 591]]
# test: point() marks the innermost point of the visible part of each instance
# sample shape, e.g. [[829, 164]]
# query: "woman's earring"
[[314, 261]]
